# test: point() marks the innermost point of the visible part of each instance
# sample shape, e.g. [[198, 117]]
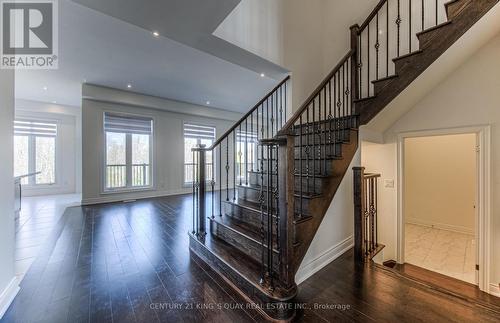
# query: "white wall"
[[68, 146], [470, 96], [440, 182], [256, 25], [8, 283], [168, 142]]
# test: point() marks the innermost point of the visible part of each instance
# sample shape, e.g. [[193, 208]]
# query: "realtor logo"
[[29, 34]]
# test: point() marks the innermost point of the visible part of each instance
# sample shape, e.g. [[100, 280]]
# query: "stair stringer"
[[319, 206]]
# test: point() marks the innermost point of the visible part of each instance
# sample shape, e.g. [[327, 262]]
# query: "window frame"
[[32, 184], [128, 157], [214, 157]]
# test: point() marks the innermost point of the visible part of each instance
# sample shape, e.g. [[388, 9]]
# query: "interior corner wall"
[[440, 182], [8, 283], [257, 26], [68, 149], [168, 147], [469, 96]]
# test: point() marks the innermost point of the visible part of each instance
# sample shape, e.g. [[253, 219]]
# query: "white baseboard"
[[495, 290], [8, 295], [306, 271], [441, 226], [120, 198]]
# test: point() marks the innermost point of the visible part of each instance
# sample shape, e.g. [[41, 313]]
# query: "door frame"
[[483, 207]]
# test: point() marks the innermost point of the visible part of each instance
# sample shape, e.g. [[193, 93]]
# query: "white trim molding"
[[121, 198], [484, 223], [495, 290], [307, 270], [8, 295], [440, 226]]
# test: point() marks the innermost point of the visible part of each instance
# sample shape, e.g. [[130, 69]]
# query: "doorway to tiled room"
[[440, 204]]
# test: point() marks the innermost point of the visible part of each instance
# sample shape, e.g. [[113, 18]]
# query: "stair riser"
[[453, 9], [278, 309], [401, 63], [318, 167], [246, 215], [320, 151], [341, 123], [252, 195], [328, 137], [239, 241], [307, 185], [427, 38], [380, 85]]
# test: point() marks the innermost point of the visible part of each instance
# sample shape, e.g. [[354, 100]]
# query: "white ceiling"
[[107, 51]]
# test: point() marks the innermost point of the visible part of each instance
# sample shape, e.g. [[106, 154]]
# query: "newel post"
[[359, 173], [200, 183], [286, 205]]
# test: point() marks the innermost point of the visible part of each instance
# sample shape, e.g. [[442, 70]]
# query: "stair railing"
[[237, 153], [390, 32], [366, 243]]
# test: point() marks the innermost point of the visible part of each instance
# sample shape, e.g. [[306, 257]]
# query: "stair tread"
[[390, 77], [295, 174], [297, 194], [255, 207], [428, 30], [417, 52], [242, 228]]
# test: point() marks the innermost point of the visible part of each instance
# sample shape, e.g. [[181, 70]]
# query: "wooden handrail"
[[227, 133], [372, 15], [320, 87]]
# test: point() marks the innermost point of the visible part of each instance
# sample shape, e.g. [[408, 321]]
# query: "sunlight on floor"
[[36, 220]]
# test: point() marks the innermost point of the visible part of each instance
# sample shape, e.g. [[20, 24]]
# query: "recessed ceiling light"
[[84, 80], [45, 88], [208, 102], [262, 75], [55, 102], [129, 86], [156, 34], [380, 32]]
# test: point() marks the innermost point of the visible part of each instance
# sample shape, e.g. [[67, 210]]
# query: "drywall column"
[[8, 282]]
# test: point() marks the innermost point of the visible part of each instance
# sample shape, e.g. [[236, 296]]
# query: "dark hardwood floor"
[[131, 263]]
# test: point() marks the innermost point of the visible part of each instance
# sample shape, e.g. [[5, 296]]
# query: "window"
[[246, 153], [128, 152], [35, 151], [195, 135]]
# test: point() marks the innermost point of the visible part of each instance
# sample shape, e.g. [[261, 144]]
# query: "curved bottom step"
[[242, 273]]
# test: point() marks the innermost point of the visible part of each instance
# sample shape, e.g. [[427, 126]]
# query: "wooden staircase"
[[275, 177]]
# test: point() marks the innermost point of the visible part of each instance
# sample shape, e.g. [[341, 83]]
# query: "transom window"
[[128, 142], [35, 151], [195, 135]]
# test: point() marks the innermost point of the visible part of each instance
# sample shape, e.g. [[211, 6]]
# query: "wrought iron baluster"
[[387, 38], [194, 196], [368, 80], [246, 151], [398, 26], [409, 27], [314, 130], [377, 48], [262, 229], [423, 15], [437, 12], [227, 168], [220, 179], [301, 169], [234, 163]]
